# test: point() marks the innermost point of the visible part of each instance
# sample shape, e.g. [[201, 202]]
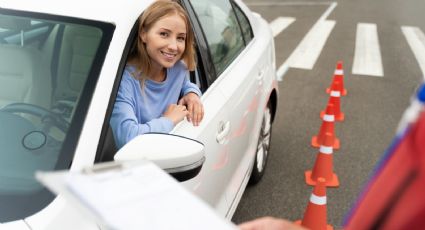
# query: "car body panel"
[[61, 215], [247, 95], [213, 167], [15, 225]]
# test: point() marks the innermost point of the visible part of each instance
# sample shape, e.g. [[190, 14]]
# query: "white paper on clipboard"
[[134, 196]]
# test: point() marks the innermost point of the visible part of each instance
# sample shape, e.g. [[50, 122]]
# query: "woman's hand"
[[194, 106], [176, 113]]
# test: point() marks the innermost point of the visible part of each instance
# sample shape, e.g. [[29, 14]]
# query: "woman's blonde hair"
[[156, 11]]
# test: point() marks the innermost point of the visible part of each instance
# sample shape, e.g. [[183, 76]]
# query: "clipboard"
[[133, 195]]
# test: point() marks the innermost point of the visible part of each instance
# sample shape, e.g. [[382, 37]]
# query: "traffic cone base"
[[315, 143], [334, 182], [343, 93], [315, 214], [328, 227], [339, 117]]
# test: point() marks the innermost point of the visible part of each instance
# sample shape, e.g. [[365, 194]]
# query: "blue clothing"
[[139, 110]]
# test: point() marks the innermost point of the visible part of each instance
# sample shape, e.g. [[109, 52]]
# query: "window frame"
[[102, 150], [205, 65], [234, 6]]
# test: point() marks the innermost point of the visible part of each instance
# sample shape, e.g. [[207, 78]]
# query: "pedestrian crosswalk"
[[416, 39], [307, 52], [280, 24], [367, 54], [367, 60]]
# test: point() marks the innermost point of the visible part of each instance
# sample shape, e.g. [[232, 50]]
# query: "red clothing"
[[395, 198]]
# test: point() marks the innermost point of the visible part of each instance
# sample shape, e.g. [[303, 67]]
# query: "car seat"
[[76, 52], [24, 73]]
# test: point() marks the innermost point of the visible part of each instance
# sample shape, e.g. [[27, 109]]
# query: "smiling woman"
[[155, 93]]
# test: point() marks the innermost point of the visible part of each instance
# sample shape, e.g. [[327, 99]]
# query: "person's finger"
[[196, 111], [181, 101], [190, 109], [184, 109], [200, 113]]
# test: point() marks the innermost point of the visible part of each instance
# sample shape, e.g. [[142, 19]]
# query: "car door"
[[239, 78], [243, 83], [212, 132]]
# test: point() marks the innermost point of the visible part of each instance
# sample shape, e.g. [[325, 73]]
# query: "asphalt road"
[[372, 108]]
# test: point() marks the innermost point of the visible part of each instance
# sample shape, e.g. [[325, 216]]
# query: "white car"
[[60, 67]]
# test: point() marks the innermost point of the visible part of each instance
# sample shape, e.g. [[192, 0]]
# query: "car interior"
[[24, 75], [44, 68], [46, 65], [75, 56]]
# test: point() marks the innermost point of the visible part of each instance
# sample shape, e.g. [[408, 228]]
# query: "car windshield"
[[47, 64]]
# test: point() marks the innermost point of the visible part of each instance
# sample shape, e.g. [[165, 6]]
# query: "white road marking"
[[367, 54], [280, 24], [307, 52], [328, 11], [281, 71], [416, 39], [309, 49]]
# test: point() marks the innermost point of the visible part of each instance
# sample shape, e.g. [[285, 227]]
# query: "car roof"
[[115, 11]]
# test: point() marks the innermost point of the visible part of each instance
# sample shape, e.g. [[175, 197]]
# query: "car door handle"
[[223, 131], [260, 74]]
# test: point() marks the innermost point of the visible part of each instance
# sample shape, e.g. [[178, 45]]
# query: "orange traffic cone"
[[323, 167], [338, 77], [315, 213], [326, 127], [335, 99]]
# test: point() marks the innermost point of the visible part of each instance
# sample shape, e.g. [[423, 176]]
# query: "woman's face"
[[165, 41]]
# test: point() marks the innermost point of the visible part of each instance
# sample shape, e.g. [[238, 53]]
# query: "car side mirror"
[[179, 156]]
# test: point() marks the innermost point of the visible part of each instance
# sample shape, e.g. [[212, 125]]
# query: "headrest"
[[11, 23]]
